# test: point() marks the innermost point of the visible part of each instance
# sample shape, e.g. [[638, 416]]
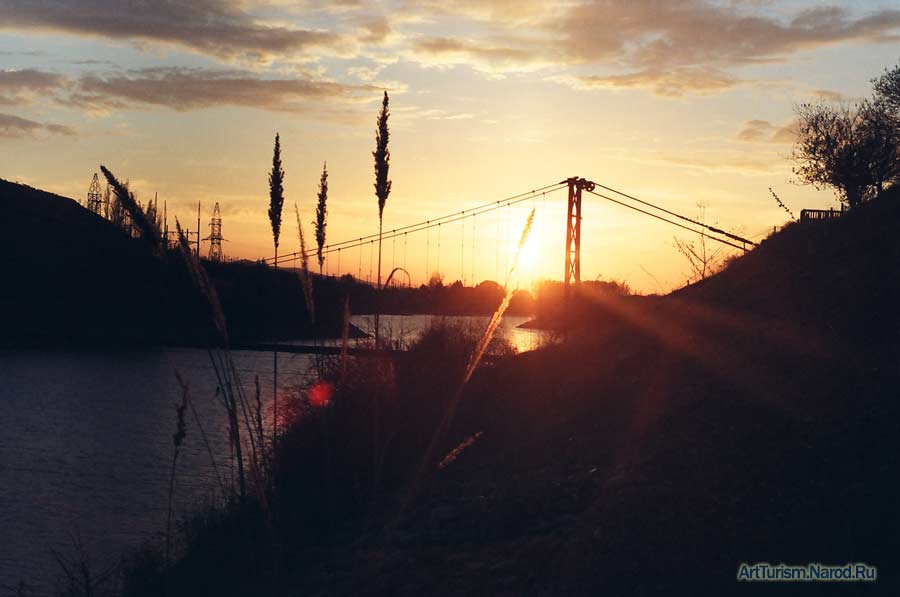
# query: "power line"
[[652, 215]]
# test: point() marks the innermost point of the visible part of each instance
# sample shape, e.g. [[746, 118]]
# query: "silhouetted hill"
[[839, 275], [74, 278], [71, 276]]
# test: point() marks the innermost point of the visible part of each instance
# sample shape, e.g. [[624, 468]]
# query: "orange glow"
[[320, 394]]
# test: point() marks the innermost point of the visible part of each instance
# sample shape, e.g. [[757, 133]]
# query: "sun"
[[528, 259]]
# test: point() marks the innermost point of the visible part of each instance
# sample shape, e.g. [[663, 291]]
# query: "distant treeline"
[[432, 298]]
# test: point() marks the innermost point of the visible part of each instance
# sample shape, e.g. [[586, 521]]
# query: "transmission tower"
[[215, 235], [95, 199]]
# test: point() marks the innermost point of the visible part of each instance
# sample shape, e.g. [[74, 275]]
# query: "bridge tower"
[[573, 229], [95, 198], [215, 235]]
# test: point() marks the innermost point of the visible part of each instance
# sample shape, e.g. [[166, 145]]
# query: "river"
[[86, 444]]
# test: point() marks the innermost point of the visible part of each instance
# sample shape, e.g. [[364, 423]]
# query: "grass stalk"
[[177, 439], [425, 466]]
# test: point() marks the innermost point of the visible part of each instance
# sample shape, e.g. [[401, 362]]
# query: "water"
[[86, 444]]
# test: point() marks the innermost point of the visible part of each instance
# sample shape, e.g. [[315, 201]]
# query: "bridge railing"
[[809, 215]]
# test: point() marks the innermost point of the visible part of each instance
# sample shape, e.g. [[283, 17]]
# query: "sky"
[[679, 103]]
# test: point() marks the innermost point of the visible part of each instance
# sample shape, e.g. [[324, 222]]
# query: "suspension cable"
[[652, 215], [446, 219], [672, 213]]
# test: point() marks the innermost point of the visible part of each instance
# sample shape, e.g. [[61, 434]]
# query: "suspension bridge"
[[576, 187]]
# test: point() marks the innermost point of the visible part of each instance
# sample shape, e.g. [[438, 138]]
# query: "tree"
[[276, 195], [887, 89], [704, 260], [850, 148], [382, 157], [321, 213]]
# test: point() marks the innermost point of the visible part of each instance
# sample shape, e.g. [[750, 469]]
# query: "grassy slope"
[[749, 418], [73, 278], [70, 275]]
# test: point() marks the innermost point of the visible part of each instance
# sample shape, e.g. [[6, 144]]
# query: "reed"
[[305, 278], [177, 439], [147, 226], [425, 467], [231, 390]]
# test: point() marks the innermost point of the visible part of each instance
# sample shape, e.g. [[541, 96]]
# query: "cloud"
[[31, 53], [418, 113], [480, 54], [19, 87], [829, 95], [213, 27], [763, 131], [374, 30], [722, 161], [669, 83], [672, 48], [681, 47], [191, 89], [14, 127], [506, 11], [657, 34]]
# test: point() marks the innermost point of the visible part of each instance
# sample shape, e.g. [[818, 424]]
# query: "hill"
[[837, 275], [73, 278], [749, 418]]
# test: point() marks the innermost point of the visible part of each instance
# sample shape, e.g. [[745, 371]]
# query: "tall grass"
[[305, 277], [427, 462], [147, 226], [177, 439], [231, 390]]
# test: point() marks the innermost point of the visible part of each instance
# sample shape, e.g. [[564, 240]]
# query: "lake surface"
[[86, 443]]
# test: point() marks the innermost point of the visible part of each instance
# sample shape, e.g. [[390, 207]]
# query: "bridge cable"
[[446, 219], [652, 215], [672, 213]]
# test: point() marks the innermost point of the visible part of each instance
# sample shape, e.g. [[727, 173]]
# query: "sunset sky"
[[674, 102]]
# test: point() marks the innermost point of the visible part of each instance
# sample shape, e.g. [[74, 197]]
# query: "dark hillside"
[[750, 418], [838, 275], [72, 277]]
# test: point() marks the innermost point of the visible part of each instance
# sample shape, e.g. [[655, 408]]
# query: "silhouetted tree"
[[854, 149], [887, 89], [703, 259], [321, 213], [276, 195], [382, 157]]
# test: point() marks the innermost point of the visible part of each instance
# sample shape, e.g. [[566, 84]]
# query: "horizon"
[[488, 100]]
